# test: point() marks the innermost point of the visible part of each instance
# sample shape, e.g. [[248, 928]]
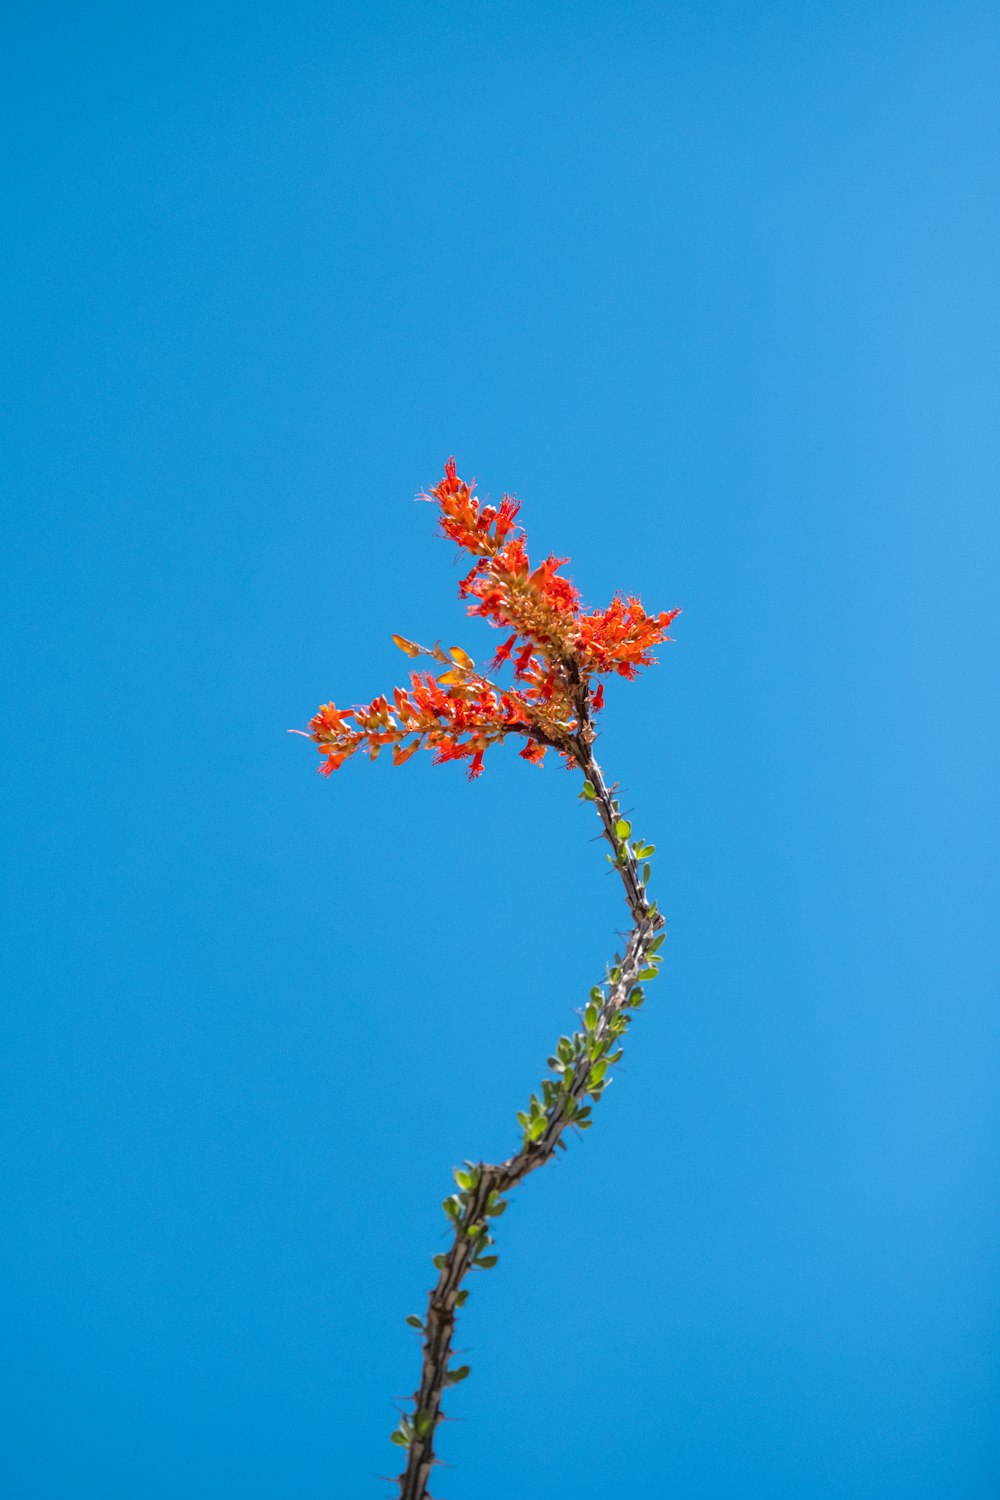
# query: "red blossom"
[[555, 650]]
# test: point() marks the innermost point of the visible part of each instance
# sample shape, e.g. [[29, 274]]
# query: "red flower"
[[556, 649]]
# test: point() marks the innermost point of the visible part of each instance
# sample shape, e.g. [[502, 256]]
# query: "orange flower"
[[556, 651]]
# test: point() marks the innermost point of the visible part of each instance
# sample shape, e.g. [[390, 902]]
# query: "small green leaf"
[[657, 943], [422, 1423], [465, 1180], [537, 1128], [648, 973], [598, 1071], [623, 828], [487, 1262], [454, 1376], [438, 1262], [615, 975], [646, 872], [401, 1439], [414, 1321], [590, 1016], [589, 791], [461, 1298]]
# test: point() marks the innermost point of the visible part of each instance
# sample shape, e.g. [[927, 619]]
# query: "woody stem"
[[498, 1179]]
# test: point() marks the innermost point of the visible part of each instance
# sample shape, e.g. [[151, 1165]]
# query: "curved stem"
[[491, 1181]]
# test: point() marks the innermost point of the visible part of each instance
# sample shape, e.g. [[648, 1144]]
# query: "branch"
[[580, 1066]]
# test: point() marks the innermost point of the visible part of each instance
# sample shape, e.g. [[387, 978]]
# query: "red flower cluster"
[[555, 649]]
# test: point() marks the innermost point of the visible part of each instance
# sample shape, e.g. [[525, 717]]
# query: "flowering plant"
[[557, 653]]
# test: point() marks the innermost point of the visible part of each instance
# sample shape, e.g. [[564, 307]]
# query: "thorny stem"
[[439, 1322]]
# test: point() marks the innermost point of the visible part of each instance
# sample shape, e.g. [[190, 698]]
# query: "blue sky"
[[714, 290]]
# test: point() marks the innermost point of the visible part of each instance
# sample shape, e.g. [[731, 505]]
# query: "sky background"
[[714, 290]]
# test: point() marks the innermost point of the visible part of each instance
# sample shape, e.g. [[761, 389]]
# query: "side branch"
[[580, 1065]]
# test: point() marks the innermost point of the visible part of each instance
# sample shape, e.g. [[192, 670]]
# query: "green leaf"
[[487, 1262], [598, 1071], [452, 1207], [590, 1016], [623, 828], [657, 943], [438, 1262], [637, 997], [522, 1119], [615, 975], [461, 1298], [415, 1322], [422, 1423], [646, 872], [496, 1210], [648, 973], [589, 791], [465, 1180], [401, 1439], [537, 1128], [454, 1376]]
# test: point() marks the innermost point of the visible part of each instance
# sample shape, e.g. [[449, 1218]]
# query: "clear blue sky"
[[714, 289]]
